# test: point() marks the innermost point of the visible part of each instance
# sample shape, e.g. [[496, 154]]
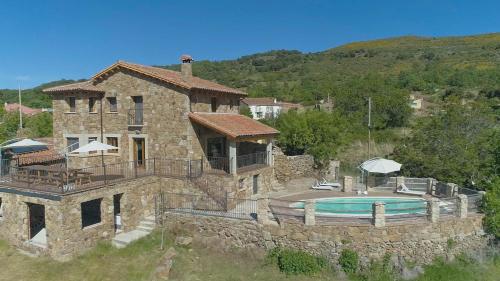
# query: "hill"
[[32, 97], [463, 65], [467, 66]]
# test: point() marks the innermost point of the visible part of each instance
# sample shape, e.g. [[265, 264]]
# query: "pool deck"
[[299, 189]]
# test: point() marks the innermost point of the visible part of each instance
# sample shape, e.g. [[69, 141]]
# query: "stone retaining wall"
[[416, 242], [287, 168]]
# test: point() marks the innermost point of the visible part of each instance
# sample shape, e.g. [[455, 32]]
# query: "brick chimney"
[[186, 67]]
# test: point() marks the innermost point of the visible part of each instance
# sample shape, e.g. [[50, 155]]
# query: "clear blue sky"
[[43, 41]]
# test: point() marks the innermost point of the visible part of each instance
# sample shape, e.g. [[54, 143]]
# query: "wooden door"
[[139, 151]]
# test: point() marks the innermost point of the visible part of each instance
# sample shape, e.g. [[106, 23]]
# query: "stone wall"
[[287, 168], [63, 219], [416, 242], [167, 130]]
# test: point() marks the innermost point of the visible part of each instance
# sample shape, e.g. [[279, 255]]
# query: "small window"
[[91, 212], [1, 209], [72, 144], [91, 139], [114, 142], [72, 104], [112, 104], [213, 102], [92, 107], [241, 183]]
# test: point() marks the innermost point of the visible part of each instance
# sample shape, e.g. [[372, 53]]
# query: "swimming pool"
[[362, 206]]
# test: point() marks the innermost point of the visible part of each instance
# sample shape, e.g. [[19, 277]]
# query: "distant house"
[[267, 108], [13, 107]]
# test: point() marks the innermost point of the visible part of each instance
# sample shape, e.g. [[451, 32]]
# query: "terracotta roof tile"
[[232, 125], [173, 77], [38, 157], [259, 101], [9, 107], [86, 86]]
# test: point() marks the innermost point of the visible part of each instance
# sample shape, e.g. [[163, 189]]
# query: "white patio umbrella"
[[94, 146], [380, 165], [25, 143]]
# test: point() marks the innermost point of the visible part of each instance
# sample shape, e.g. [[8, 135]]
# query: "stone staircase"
[[145, 227]]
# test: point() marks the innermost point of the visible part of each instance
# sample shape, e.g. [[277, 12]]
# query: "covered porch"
[[233, 143]]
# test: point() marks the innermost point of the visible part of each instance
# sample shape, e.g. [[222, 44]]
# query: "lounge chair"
[[326, 183], [403, 189], [322, 187]]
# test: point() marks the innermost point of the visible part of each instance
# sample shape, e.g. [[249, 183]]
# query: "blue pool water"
[[362, 206]]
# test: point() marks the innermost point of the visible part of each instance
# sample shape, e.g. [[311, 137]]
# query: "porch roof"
[[232, 125]]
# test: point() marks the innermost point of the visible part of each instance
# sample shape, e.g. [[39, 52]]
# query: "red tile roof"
[[172, 77], [169, 76], [259, 101], [10, 107], [85, 86], [232, 125]]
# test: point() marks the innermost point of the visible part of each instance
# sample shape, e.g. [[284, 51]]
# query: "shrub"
[[349, 261], [296, 262]]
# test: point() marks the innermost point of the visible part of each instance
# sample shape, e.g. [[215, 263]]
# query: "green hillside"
[[32, 97], [462, 65]]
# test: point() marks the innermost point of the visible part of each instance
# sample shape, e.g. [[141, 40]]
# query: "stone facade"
[[290, 167], [167, 131], [63, 215], [418, 242]]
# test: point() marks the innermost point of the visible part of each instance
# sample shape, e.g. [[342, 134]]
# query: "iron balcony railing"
[[136, 117], [258, 158], [60, 179]]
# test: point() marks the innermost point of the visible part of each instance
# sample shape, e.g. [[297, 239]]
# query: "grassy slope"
[[138, 261]]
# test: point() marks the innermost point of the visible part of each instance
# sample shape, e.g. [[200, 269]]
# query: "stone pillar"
[[433, 209], [309, 212], [430, 186], [462, 203], [262, 205], [269, 152], [399, 182], [348, 184], [378, 214], [232, 157], [451, 189]]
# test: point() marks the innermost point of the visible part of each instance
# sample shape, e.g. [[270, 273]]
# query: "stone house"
[[173, 131]]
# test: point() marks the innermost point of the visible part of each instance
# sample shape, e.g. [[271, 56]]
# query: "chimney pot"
[[186, 67]]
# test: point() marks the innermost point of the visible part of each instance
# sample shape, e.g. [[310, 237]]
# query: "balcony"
[[59, 180], [135, 117], [244, 163]]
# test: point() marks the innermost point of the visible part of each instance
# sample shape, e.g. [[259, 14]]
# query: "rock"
[[411, 273], [163, 270], [183, 240]]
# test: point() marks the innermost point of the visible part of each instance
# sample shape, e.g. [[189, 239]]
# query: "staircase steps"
[[144, 228]]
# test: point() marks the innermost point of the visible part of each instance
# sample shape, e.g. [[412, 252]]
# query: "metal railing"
[[204, 205], [258, 158], [135, 117], [60, 179], [217, 165]]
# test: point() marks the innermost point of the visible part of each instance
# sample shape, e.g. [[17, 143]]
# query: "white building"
[[263, 107]]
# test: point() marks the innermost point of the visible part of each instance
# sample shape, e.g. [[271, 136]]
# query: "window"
[[259, 114], [1, 209], [91, 212], [92, 101], [213, 102], [91, 139], [72, 144], [231, 104], [114, 142], [216, 147], [113, 107], [72, 104], [241, 183]]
